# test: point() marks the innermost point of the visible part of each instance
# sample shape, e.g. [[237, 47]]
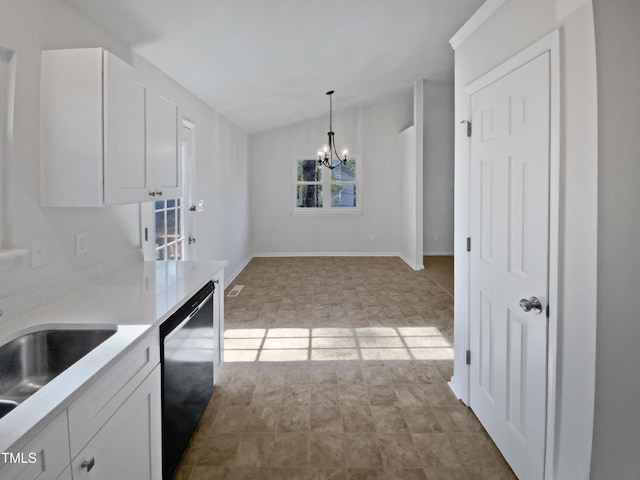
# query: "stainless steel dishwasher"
[[187, 350]]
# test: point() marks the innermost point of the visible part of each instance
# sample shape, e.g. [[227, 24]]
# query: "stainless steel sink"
[[29, 362]]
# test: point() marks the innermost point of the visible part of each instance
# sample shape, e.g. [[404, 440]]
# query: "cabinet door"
[[125, 155], [129, 444], [43, 458], [165, 167], [71, 125]]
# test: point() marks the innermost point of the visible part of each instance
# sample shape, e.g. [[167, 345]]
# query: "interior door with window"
[[509, 212], [191, 206]]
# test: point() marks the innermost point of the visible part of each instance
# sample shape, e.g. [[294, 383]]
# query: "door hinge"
[[468, 244], [468, 357], [468, 123]]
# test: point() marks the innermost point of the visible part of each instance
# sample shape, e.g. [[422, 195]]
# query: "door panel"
[[162, 121], [125, 156], [510, 218]]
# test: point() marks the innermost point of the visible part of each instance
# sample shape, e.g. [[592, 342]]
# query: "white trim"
[[549, 43], [339, 254], [326, 254], [418, 121], [415, 266], [233, 276], [438, 254], [328, 211], [478, 19], [229, 280]]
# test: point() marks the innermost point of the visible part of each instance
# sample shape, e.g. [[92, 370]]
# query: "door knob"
[[533, 304]]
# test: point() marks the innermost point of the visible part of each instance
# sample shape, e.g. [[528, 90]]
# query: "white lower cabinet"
[[128, 446], [43, 458]]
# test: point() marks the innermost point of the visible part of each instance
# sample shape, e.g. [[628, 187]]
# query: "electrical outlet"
[[39, 253], [82, 243]]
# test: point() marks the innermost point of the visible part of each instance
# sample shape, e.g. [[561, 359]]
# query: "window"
[[169, 230], [320, 190]]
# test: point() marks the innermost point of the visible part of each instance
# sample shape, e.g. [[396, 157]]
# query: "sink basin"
[[29, 362], [6, 406]]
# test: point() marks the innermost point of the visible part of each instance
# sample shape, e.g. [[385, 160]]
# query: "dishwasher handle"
[[187, 311], [193, 313]]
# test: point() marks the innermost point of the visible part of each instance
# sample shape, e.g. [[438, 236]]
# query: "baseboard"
[[229, 280], [457, 389], [415, 266], [327, 254], [438, 254]]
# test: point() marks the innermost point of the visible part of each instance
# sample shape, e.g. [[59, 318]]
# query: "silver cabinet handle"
[[532, 304], [88, 464]]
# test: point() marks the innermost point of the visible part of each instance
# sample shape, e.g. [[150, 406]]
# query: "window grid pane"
[[309, 196], [344, 195], [169, 230]]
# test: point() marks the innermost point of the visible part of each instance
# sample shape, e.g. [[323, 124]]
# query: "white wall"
[[517, 24], [28, 26], [408, 210], [616, 443], [370, 132], [439, 128]]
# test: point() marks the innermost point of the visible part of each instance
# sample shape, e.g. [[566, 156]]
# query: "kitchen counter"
[[133, 301]]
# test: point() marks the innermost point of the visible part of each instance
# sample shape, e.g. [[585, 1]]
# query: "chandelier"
[[327, 152]]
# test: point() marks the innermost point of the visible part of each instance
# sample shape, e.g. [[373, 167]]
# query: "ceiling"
[[268, 63]]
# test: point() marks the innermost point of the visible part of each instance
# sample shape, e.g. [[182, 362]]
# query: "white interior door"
[[509, 262], [188, 182]]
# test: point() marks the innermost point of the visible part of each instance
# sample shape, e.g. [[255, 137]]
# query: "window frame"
[[326, 183], [180, 238]]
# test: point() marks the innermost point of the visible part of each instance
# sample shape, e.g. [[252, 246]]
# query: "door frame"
[[549, 43]]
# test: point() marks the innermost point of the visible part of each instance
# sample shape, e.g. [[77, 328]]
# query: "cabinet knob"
[[88, 464], [153, 194], [159, 193]]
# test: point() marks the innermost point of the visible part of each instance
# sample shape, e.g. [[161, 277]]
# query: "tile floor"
[[336, 368]]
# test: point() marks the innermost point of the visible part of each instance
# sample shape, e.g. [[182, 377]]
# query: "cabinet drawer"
[[128, 446], [49, 453], [96, 406]]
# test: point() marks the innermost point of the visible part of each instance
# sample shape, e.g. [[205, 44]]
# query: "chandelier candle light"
[[328, 151]]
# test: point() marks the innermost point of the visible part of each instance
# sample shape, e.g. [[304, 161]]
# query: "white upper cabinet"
[[162, 146], [105, 136], [125, 147]]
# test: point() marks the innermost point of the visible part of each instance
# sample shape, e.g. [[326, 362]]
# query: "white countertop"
[[133, 301]]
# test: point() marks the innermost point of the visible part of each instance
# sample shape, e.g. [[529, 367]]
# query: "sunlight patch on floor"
[[326, 344]]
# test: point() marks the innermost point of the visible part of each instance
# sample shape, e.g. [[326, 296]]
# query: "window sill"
[[325, 212]]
